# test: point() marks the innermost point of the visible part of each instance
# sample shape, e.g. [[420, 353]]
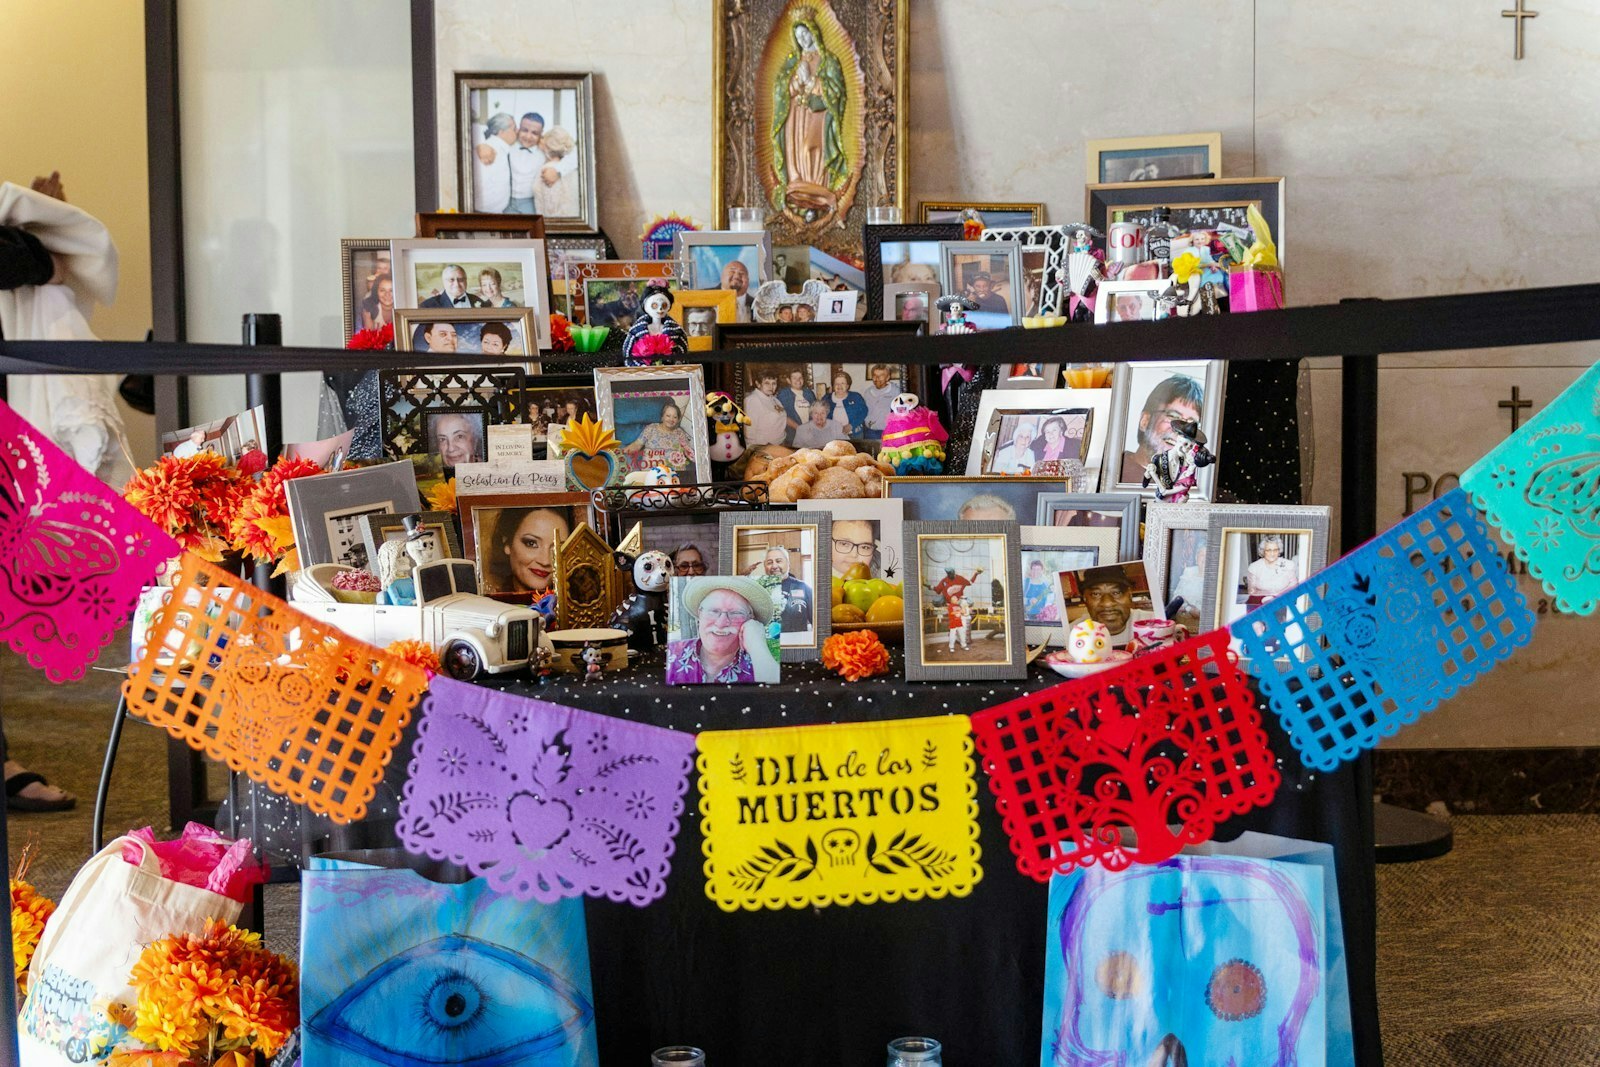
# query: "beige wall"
[[73, 82], [1421, 159]]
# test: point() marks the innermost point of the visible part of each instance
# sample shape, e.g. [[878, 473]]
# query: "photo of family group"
[[560, 405], [805, 405], [527, 147]]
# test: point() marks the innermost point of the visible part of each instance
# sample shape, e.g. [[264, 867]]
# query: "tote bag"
[[1229, 952], [109, 913], [398, 968]]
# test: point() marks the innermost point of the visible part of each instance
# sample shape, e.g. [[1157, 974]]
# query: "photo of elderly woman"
[[515, 547], [654, 430], [721, 630]]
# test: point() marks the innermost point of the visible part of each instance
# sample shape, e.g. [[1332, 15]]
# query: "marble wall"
[[1421, 159]]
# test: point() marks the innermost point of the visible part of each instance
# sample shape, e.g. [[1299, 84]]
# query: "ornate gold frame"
[[721, 13], [585, 548]]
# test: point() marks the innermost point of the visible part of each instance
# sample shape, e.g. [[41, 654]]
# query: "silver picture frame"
[[1131, 379], [1055, 241], [1162, 521], [692, 275], [606, 391], [1299, 520], [819, 525], [1126, 505], [406, 254], [1013, 632], [1011, 250], [587, 217], [327, 512]]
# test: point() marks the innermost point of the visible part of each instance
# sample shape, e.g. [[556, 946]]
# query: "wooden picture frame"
[[629, 422], [1106, 158], [499, 580], [723, 305], [585, 196], [921, 235], [1007, 214], [467, 226], [1053, 506], [776, 528], [933, 547], [864, 48], [1196, 205]]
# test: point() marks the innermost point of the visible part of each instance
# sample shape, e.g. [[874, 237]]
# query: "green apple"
[[860, 593]]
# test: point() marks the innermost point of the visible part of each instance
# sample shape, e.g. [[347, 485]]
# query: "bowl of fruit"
[[862, 602]]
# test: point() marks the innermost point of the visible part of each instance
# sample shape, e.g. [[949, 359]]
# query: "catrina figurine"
[[654, 334]]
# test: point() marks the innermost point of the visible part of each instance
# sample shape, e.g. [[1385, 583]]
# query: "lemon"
[[886, 609]]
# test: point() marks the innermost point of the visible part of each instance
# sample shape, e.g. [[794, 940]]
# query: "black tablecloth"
[[833, 985]]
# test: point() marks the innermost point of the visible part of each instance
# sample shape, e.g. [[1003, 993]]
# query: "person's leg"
[[27, 791]]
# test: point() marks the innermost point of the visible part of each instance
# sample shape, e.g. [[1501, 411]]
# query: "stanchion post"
[[265, 391]]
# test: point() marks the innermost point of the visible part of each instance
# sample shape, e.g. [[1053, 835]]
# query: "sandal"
[[15, 801]]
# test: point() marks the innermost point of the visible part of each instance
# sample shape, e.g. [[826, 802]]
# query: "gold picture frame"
[[1147, 150], [872, 115], [724, 302], [928, 212]]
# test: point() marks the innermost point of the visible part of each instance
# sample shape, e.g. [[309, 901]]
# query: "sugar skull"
[[1088, 641], [904, 404], [1203, 961], [840, 846]]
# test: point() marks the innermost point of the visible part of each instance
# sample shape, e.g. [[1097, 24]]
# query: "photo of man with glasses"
[[1175, 398]]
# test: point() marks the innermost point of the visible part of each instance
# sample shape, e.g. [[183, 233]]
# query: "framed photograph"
[[447, 412], [473, 274], [699, 310], [1255, 555], [1044, 264], [328, 512], [692, 542], [1150, 159], [525, 146], [1198, 204], [658, 413], [911, 302], [964, 620], [368, 274], [866, 533], [563, 252], [792, 561], [1135, 301], [476, 334], [810, 115], [794, 265], [1046, 552], [725, 259], [511, 539], [719, 632], [1175, 555], [903, 254], [1116, 596], [1114, 511], [1003, 215], [386, 526], [837, 305], [1050, 443], [1145, 398], [461, 226], [229, 437], [971, 499], [990, 274], [609, 292], [808, 405], [556, 399]]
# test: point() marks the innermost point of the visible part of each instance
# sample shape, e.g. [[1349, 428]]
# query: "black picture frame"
[[1185, 198], [872, 240], [554, 383], [407, 397]]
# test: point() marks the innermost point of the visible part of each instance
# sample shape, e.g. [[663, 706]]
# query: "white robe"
[[77, 411]]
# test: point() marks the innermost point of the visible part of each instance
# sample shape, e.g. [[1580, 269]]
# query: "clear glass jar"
[[883, 215], [678, 1056], [744, 219], [915, 1052]]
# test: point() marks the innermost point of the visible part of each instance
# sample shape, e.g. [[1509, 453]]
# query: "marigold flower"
[[855, 655]]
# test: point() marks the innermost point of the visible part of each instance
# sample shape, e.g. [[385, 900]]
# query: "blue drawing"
[[403, 972]]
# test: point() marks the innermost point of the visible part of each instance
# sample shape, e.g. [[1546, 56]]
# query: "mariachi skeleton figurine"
[[654, 333], [954, 308], [1175, 470], [644, 613], [727, 422]]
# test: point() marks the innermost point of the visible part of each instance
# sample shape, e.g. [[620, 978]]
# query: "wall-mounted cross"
[[1515, 406], [1521, 15]]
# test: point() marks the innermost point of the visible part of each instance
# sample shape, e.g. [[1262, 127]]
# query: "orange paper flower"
[[417, 653], [856, 654]]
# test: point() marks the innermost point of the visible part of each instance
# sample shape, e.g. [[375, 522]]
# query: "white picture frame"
[[1137, 382], [1098, 401], [416, 260], [323, 502], [1110, 307]]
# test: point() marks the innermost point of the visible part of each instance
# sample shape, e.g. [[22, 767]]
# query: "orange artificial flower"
[[443, 497], [29, 913], [855, 655], [417, 653]]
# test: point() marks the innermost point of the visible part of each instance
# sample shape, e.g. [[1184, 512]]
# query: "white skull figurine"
[[652, 571], [904, 404]]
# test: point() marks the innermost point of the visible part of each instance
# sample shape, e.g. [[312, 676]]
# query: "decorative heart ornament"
[[591, 454]]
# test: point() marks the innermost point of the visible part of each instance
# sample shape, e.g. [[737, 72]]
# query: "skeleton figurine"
[[1085, 271], [1175, 470], [644, 613], [954, 308], [1158, 235]]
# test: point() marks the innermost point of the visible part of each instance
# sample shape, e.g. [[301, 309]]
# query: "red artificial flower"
[[560, 333], [372, 340], [652, 344]]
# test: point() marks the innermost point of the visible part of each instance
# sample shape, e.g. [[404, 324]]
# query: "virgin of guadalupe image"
[[807, 125]]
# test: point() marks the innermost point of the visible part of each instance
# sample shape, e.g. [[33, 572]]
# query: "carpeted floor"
[[1488, 957]]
